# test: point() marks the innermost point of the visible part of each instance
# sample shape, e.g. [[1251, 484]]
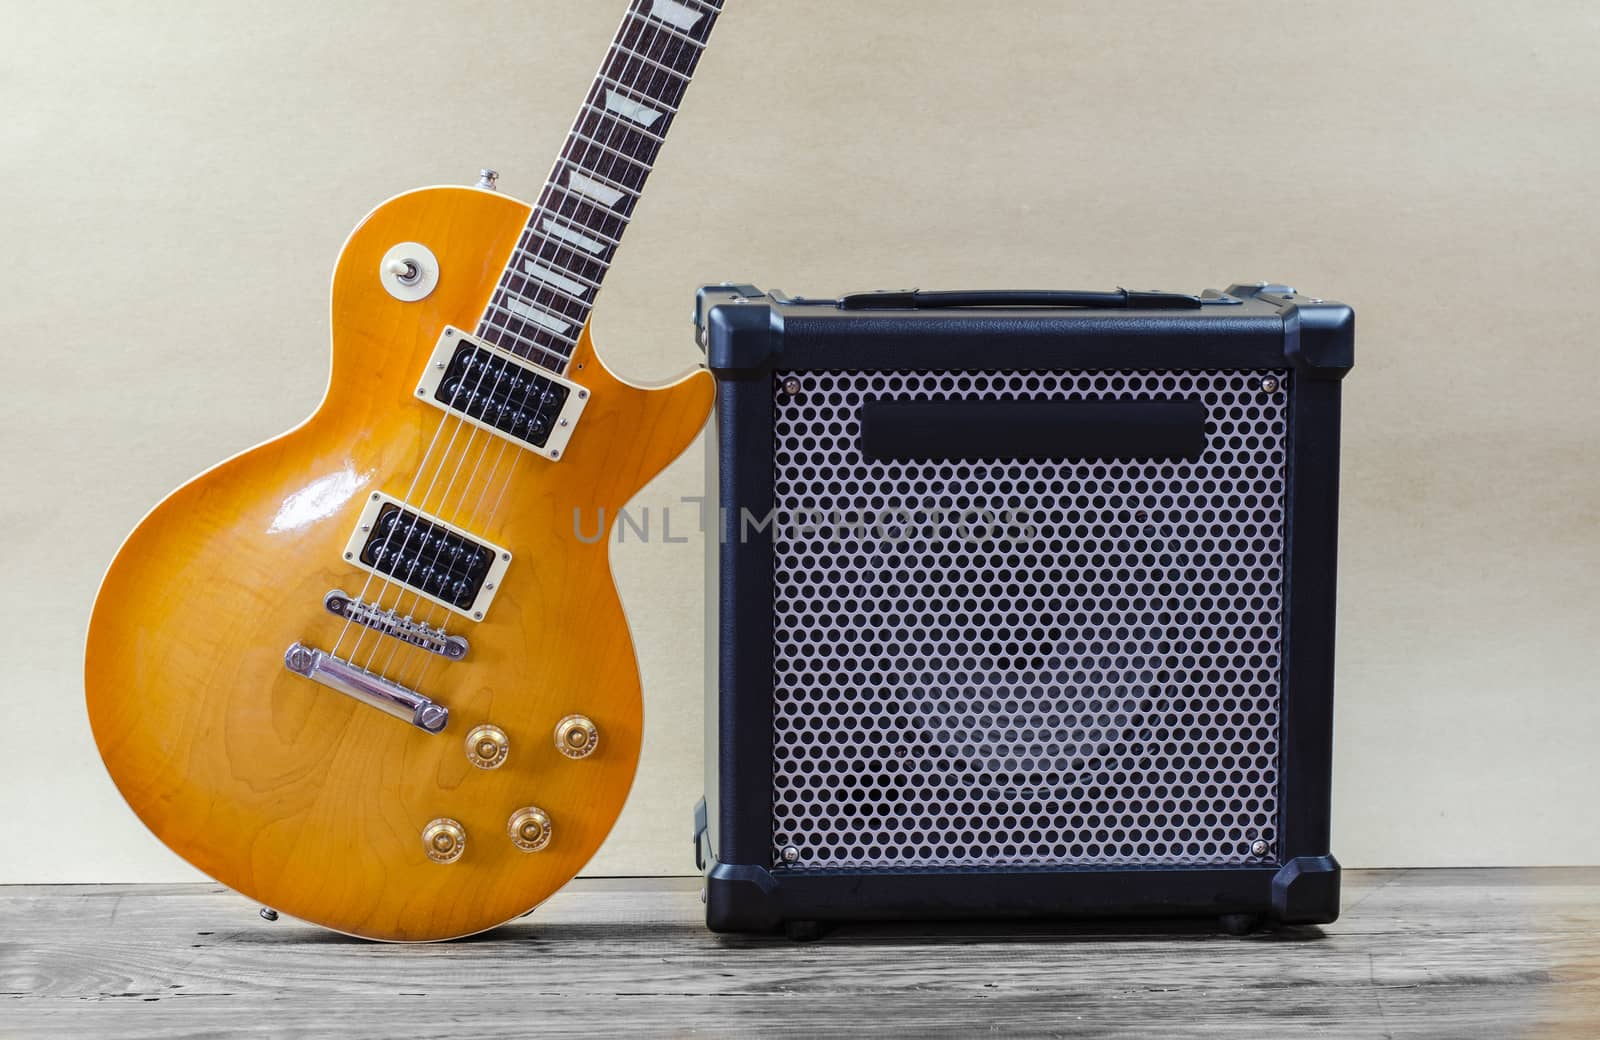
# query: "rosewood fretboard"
[[549, 285]]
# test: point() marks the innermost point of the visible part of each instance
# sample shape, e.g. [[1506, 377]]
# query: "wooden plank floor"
[[1427, 953]]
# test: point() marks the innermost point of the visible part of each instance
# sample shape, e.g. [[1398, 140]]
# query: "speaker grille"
[[1026, 663]]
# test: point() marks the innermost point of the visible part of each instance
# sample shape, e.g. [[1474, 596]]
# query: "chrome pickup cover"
[[438, 561], [497, 391]]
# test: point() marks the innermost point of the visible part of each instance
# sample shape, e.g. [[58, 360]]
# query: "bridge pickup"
[[438, 561], [386, 695], [502, 393], [387, 622]]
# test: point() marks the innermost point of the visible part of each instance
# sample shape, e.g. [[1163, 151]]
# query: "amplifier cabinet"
[[1021, 604]]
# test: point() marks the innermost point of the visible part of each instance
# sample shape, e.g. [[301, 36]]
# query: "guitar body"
[[304, 798]]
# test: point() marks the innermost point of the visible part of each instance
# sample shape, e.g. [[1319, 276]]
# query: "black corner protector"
[[1306, 891], [1319, 339], [739, 339], [741, 898]]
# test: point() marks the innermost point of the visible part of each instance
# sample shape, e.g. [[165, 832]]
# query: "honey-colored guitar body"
[[314, 803]]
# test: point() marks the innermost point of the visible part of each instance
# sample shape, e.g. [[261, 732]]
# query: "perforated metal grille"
[[1026, 662]]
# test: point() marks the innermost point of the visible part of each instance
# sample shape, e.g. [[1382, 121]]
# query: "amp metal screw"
[[268, 914], [790, 854], [1269, 385], [421, 390], [1258, 848], [791, 386]]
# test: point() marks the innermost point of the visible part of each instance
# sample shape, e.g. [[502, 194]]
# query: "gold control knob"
[[576, 736], [444, 839], [487, 746], [529, 828]]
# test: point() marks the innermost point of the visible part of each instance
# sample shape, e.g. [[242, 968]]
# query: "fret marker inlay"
[[591, 188], [572, 238], [679, 16], [628, 108], [528, 312], [541, 273]]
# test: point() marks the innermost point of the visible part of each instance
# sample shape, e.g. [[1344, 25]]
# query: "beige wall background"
[[176, 179]]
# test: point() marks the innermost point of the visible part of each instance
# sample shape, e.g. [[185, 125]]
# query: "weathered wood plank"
[[1417, 953]]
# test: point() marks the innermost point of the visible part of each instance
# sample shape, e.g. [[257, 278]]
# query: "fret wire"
[[657, 47], [658, 24], [651, 79], [630, 52], [546, 286], [606, 113], [641, 95], [608, 211], [558, 268], [646, 167], [556, 335], [533, 233], [572, 225], [539, 290], [531, 303], [525, 344], [587, 201], [594, 175]]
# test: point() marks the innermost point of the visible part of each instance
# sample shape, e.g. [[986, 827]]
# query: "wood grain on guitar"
[[273, 770]]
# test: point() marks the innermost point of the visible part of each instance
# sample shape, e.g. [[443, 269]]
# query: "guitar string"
[[376, 601], [614, 135], [658, 78]]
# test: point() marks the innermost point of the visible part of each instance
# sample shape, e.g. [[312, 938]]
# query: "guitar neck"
[[549, 285]]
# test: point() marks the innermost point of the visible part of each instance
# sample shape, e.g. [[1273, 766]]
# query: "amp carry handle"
[[1121, 299]]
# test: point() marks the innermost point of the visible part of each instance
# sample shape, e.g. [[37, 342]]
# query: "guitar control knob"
[[576, 736], [487, 746], [529, 828], [444, 839]]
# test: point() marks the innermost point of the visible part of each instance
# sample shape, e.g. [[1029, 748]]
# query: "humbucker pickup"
[[502, 393], [438, 561]]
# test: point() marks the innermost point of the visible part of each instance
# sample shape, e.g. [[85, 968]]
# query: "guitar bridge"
[[376, 691], [387, 622]]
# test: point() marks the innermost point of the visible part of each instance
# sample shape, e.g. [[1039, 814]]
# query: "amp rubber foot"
[[804, 931], [1240, 924]]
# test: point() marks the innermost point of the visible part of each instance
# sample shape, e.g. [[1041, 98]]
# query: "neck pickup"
[[502, 393]]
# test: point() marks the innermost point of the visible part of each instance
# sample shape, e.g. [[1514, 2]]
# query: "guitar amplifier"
[[1021, 604]]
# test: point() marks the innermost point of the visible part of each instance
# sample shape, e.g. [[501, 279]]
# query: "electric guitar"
[[366, 673]]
